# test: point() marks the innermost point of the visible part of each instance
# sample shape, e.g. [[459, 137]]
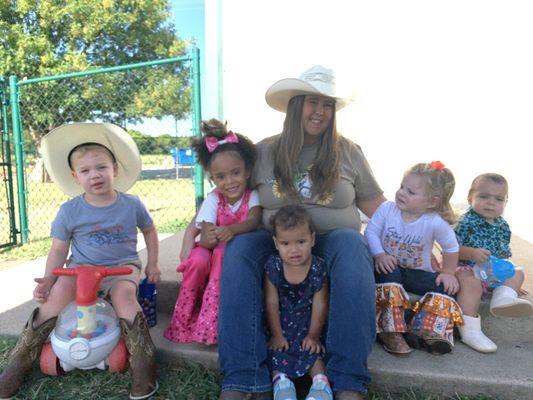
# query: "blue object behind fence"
[[183, 156], [148, 299]]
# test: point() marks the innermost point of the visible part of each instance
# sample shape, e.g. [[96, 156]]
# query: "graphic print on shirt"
[[407, 249], [107, 236], [304, 185]]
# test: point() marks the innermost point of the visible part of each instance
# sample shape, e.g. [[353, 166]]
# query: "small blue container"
[[148, 300], [494, 271]]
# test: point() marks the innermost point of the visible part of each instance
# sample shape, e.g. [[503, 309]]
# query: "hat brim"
[[279, 94], [57, 144]]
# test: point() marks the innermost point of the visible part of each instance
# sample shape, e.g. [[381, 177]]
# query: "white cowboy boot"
[[506, 303], [473, 336]]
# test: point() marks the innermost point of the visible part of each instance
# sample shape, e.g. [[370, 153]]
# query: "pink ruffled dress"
[[195, 317]]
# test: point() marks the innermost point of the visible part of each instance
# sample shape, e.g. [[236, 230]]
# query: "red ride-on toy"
[[87, 332]]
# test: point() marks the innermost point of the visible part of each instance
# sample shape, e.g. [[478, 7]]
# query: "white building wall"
[[450, 80]]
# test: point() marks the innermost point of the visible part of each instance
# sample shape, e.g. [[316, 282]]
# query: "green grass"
[[177, 381], [29, 251], [185, 380]]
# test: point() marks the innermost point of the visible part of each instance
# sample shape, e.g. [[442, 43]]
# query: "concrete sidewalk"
[[506, 374]]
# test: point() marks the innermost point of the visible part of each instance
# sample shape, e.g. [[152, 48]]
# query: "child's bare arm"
[[277, 340], [188, 240], [475, 254], [319, 313], [226, 233], [152, 248], [56, 259]]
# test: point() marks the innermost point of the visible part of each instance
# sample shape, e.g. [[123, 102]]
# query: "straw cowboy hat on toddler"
[[316, 80], [57, 144]]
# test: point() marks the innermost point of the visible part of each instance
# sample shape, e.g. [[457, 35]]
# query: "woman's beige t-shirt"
[[356, 183]]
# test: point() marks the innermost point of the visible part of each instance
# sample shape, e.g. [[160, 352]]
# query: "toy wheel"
[[49, 362], [118, 358]]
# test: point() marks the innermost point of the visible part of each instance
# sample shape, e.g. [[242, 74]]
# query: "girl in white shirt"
[[401, 236]]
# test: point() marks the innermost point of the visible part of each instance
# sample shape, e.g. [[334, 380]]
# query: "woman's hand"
[[42, 290], [278, 343], [313, 345], [449, 281], [223, 234], [385, 263], [479, 256]]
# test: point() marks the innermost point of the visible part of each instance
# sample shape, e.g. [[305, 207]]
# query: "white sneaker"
[[284, 389], [473, 336], [506, 303]]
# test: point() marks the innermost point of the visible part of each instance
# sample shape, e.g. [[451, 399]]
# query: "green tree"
[[42, 38]]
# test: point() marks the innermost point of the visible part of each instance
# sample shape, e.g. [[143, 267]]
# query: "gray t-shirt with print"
[[102, 235], [356, 182]]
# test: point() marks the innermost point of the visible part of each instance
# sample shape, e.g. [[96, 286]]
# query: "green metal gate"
[[8, 230], [170, 194]]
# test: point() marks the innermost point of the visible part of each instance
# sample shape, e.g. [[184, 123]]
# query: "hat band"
[[318, 76]]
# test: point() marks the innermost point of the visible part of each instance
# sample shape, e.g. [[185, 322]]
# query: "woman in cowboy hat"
[[311, 164]]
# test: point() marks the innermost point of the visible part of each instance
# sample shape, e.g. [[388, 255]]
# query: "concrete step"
[[506, 374]]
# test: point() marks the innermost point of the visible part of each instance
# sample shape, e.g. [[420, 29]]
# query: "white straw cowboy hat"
[[316, 80], [57, 144]]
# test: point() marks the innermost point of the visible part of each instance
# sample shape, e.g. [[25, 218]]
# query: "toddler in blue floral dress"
[[296, 297]]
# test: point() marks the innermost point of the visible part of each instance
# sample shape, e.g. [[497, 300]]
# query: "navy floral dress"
[[295, 303]]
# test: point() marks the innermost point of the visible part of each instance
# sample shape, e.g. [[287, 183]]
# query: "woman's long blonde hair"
[[440, 182], [324, 171]]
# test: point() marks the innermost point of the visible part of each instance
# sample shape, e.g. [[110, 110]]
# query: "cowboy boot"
[[506, 303], [473, 336], [431, 328], [391, 302], [142, 357], [24, 354]]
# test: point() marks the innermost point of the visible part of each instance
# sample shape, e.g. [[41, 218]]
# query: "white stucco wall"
[[434, 80]]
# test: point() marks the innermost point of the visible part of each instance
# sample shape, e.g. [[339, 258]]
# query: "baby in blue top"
[[483, 232]]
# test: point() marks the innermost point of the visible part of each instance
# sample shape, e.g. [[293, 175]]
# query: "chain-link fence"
[[8, 232], [150, 100]]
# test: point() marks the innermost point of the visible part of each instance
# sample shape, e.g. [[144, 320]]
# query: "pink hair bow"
[[212, 142]]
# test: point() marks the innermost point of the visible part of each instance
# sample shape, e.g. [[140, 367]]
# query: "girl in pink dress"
[[230, 209]]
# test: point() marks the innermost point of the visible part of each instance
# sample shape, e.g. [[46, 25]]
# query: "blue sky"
[[188, 17]]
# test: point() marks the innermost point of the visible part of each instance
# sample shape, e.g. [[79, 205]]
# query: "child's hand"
[[384, 263], [278, 343], [153, 273], [479, 256], [223, 233], [449, 281], [313, 345], [42, 290], [209, 235]]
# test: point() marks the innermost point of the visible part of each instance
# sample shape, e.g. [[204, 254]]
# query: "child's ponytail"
[[217, 139]]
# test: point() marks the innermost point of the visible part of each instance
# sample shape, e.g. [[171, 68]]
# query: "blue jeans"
[[351, 324], [416, 281]]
